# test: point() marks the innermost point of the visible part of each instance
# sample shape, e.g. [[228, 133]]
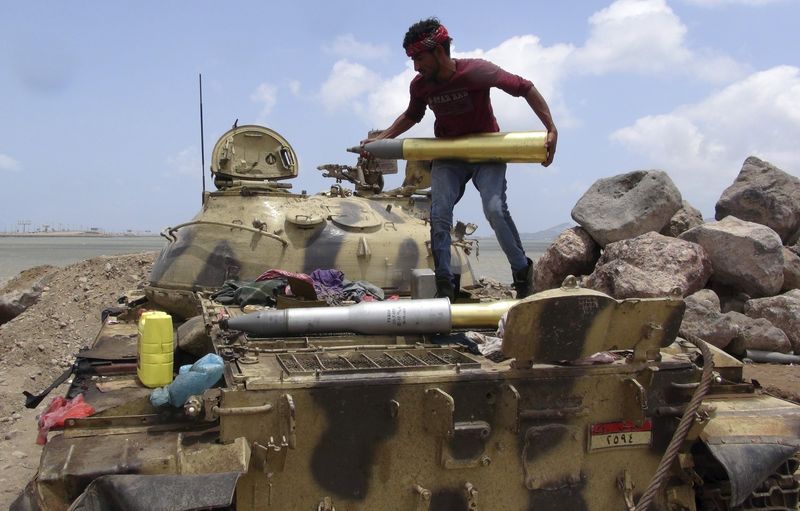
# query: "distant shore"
[[74, 234]]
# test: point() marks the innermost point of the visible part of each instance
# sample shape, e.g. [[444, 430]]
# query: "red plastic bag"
[[60, 410]]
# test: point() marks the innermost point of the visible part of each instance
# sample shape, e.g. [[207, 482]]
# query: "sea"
[[18, 253]]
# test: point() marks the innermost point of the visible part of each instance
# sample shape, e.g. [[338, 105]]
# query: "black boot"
[[445, 289], [523, 280]]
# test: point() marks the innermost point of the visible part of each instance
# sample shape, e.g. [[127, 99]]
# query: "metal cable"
[[683, 426]]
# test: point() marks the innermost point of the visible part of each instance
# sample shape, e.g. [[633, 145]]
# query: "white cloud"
[[345, 84], [294, 87], [348, 46], [717, 3], [703, 145], [267, 95], [186, 162], [646, 36], [641, 36], [544, 66], [9, 164]]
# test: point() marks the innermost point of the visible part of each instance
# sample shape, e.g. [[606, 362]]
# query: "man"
[[457, 90]]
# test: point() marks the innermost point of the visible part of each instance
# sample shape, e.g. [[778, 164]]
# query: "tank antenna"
[[202, 139]]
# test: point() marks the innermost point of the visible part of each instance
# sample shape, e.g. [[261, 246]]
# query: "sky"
[[100, 124]]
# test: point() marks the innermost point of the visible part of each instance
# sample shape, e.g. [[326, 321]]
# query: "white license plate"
[[612, 435]]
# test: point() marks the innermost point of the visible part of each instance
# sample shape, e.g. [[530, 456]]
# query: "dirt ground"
[[42, 342]]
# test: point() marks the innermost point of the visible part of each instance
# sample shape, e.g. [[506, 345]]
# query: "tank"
[[574, 400], [253, 222]]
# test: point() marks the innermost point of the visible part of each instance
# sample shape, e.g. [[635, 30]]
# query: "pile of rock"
[[739, 274]]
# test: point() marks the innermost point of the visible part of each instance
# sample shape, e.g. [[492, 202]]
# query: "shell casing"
[[479, 315], [511, 147]]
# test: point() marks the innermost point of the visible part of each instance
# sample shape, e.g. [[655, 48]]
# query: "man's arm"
[[542, 111], [402, 124]]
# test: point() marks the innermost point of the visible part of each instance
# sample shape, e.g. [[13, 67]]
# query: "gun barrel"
[[511, 147], [399, 317]]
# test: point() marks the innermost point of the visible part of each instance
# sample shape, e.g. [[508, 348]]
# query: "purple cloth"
[[328, 282]]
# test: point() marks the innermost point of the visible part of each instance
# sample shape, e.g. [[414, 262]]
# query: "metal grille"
[[374, 360]]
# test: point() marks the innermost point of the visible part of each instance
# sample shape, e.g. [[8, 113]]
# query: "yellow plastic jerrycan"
[[155, 349]]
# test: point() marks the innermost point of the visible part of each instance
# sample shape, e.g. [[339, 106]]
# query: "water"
[[491, 262], [18, 253]]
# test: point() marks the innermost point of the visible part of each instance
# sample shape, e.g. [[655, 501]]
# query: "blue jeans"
[[448, 180]]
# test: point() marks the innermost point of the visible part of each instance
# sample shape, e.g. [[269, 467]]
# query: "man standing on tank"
[[457, 90]]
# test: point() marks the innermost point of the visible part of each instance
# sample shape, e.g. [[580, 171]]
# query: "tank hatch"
[[252, 153]]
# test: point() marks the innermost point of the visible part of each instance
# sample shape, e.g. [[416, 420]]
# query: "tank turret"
[[253, 222]]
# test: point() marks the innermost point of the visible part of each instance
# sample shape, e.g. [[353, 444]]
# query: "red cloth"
[[428, 42], [60, 410], [277, 274], [461, 104]]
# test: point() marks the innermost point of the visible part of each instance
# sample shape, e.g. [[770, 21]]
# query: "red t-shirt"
[[461, 104]]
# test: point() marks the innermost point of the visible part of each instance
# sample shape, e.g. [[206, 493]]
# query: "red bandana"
[[429, 42]]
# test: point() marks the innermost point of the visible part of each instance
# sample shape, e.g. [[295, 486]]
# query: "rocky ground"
[[40, 343]]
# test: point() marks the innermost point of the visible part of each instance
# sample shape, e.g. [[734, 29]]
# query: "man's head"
[[428, 44]]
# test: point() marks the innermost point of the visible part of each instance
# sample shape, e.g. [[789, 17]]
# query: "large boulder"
[[686, 218], [782, 311], [627, 205], [650, 265], [573, 252], [756, 334], [731, 331], [791, 270], [745, 255], [764, 194], [704, 320]]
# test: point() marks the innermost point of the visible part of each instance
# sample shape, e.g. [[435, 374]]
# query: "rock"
[[782, 311], [627, 205], [791, 270], [686, 218], [650, 265], [764, 194], [757, 334], [745, 255], [730, 298], [795, 248], [19, 455], [23, 291], [704, 320], [573, 252]]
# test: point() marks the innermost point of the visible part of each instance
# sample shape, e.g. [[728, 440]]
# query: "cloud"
[[348, 46], [545, 66], [186, 162], [345, 84], [9, 164], [718, 3], [646, 36], [294, 87], [267, 95], [703, 145], [638, 36]]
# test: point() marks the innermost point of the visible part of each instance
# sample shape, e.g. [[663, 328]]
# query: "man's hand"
[[550, 144]]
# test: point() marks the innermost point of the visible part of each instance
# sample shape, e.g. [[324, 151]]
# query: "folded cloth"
[[327, 282], [360, 290], [289, 275], [234, 292]]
